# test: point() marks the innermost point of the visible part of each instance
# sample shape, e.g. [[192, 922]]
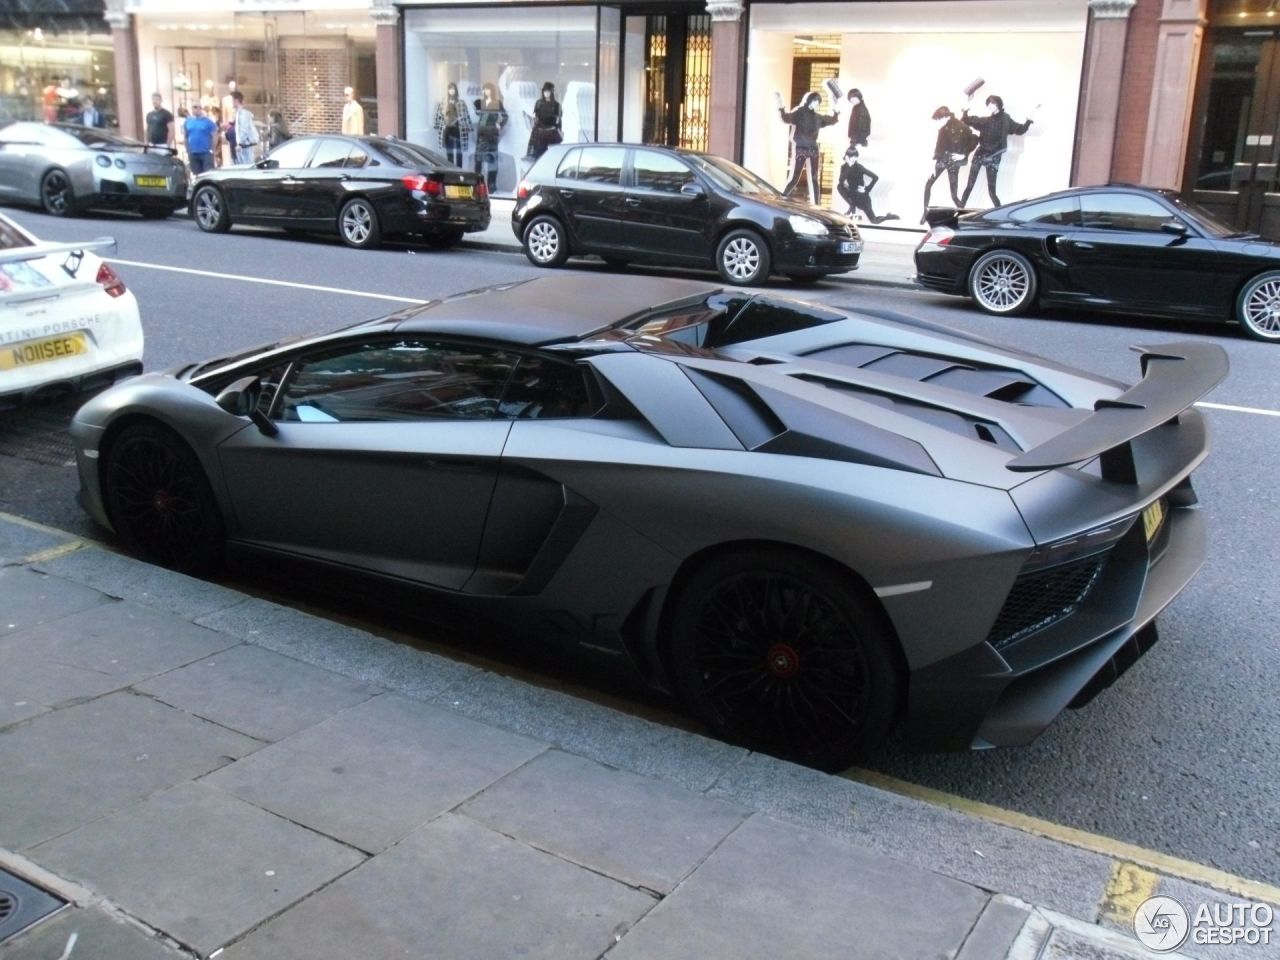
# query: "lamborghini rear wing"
[[1174, 376]]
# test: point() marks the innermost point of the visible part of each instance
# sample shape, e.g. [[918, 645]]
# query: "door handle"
[[567, 193], [1081, 244], [632, 202]]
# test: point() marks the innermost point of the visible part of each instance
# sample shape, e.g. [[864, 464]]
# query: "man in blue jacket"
[[201, 135]]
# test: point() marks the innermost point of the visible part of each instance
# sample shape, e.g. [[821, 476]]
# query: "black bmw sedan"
[[364, 188], [1114, 248], [659, 205]]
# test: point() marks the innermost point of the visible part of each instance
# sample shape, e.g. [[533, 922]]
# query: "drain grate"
[[21, 905], [38, 434]]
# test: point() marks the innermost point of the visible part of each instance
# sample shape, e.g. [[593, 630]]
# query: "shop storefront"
[[896, 74], [474, 77], [294, 62], [52, 62]]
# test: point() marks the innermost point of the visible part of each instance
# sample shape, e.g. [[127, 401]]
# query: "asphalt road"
[[1178, 756]]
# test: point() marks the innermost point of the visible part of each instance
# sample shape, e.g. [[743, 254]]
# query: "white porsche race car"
[[67, 323]]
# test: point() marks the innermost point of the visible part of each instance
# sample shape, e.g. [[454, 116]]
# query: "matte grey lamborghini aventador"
[[811, 525]]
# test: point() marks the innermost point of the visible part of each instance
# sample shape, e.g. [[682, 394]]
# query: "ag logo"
[[1161, 924]]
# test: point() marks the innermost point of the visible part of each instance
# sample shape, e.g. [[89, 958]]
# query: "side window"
[[543, 388], [660, 171], [568, 169], [601, 165], [331, 153], [291, 153], [1060, 211], [396, 380], [358, 158], [1122, 211]]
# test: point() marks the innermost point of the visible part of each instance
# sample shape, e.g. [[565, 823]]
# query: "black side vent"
[[1045, 597], [740, 407]]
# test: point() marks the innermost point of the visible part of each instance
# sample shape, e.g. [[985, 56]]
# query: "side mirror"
[[267, 164], [240, 399], [693, 189], [1175, 227]]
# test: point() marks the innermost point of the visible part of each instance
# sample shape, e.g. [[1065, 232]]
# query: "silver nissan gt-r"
[[65, 167], [810, 524]]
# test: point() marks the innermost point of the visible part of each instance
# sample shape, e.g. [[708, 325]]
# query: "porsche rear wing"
[[1174, 376], [37, 250]]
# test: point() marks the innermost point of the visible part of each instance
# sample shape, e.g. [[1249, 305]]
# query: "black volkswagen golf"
[[361, 187], [660, 205]]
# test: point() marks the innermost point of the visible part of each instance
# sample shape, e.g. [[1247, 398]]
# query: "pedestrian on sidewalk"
[[245, 131], [159, 123], [201, 134]]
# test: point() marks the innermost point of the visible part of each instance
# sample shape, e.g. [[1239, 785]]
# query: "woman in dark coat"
[[546, 121]]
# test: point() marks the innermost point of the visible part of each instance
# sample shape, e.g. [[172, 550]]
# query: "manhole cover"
[[38, 434], [21, 905]]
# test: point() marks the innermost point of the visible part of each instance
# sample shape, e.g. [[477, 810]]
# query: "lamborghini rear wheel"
[[778, 652]]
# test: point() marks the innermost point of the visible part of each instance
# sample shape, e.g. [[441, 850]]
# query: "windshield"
[[411, 154], [729, 176], [1203, 219]]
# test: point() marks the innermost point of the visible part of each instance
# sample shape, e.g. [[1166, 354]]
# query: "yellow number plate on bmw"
[[1152, 519], [151, 181], [457, 191], [17, 355]]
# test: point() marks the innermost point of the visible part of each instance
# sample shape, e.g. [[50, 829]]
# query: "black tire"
[[358, 224], [1003, 283], [209, 210], [1258, 307], [545, 242], [777, 651], [444, 239], [57, 196], [159, 499], [742, 258]]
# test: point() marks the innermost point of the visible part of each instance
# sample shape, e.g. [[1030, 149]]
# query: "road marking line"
[[1163, 863], [273, 283], [53, 553], [1129, 887], [1235, 409], [31, 524]]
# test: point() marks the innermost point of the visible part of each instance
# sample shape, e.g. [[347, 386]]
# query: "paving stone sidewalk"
[[200, 773]]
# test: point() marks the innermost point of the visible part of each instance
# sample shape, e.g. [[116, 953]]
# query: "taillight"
[[938, 237], [524, 189], [421, 184], [482, 190], [110, 282]]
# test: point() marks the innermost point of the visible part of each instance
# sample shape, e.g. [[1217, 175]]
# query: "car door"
[[316, 194], [589, 184], [1123, 253], [385, 459], [667, 208], [261, 192], [23, 149]]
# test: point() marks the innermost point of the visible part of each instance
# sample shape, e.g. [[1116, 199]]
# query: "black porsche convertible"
[[1113, 248]]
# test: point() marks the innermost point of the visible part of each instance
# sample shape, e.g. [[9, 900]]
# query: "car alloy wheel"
[[776, 652], [358, 224], [1002, 282], [159, 499], [545, 243], [207, 207], [742, 258], [1259, 307], [56, 194]]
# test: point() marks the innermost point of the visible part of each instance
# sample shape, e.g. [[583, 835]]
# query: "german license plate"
[[458, 191], [1152, 518], [16, 355], [151, 181], [850, 246]]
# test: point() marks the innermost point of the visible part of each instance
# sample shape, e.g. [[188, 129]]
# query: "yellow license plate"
[[16, 355], [151, 181], [457, 191], [1152, 518]]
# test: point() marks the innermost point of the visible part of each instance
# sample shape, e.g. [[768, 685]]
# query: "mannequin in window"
[[855, 186], [352, 114], [452, 124], [950, 152], [805, 121], [546, 122], [491, 117], [994, 131]]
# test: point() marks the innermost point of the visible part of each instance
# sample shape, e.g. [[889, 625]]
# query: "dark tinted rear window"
[[411, 154], [1057, 210]]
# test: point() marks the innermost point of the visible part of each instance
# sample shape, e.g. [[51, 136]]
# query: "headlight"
[[807, 226], [102, 161]]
